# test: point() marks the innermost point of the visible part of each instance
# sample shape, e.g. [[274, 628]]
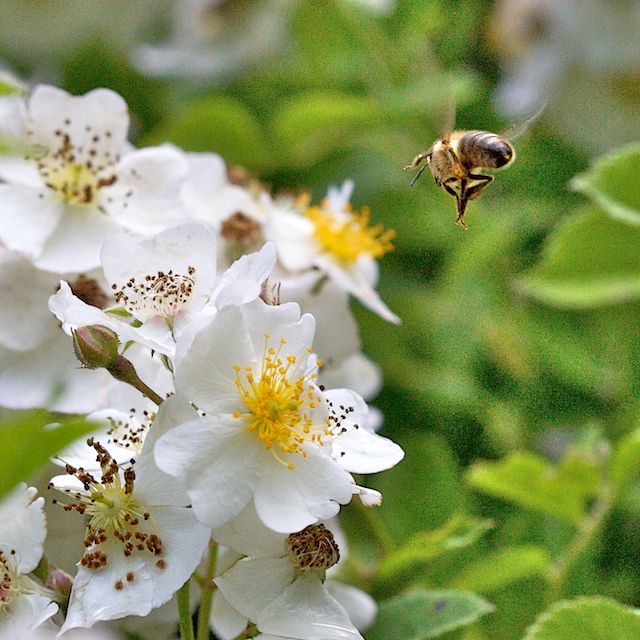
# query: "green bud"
[[96, 346]]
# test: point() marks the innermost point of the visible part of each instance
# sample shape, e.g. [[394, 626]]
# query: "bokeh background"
[[308, 93]]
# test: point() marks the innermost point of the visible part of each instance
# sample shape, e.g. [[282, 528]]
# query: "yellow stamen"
[[277, 400], [349, 235]]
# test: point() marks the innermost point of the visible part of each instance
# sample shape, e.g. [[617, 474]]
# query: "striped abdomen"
[[484, 149]]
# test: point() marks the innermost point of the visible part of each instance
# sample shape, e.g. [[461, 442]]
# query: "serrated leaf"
[[315, 123], [27, 444], [221, 124], [587, 619], [492, 571], [460, 531], [614, 184], [533, 483], [590, 261], [421, 614]]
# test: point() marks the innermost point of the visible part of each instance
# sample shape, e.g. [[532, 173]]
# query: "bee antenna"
[[424, 166]]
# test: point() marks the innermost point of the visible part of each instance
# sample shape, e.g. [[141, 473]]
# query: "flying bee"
[[454, 161]]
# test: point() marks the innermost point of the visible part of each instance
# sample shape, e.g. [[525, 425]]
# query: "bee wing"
[[514, 131]]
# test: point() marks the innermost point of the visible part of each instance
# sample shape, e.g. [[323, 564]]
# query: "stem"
[[208, 587], [586, 531], [184, 609], [121, 369]]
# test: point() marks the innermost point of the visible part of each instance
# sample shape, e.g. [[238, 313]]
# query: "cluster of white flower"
[[221, 359]]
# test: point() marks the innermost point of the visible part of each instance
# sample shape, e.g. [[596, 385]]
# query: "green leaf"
[[625, 461], [614, 184], [315, 123], [28, 443], [533, 483], [591, 260], [221, 124], [587, 619], [423, 614], [460, 531], [503, 567]]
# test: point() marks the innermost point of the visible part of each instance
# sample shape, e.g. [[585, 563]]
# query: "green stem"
[[208, 587], [585, 533], [184, 609], [121, 369]]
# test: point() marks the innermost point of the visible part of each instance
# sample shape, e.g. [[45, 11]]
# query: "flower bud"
[[96, 346]]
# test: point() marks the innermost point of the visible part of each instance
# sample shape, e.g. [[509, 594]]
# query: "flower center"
[[76, 174], [161, 294], [279, 401], [115, 514], [313, 549], [349, 235]]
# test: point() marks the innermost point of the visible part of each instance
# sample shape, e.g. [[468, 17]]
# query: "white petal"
[[187, 250], [305, 610], [252, 583], [224, 620], [217, 461], [94, 596], [75, 244], [235, 287], [145, 198], [288, 500], [23, 527], [206, 373], [248, 535], [25, 320], [357, 284], [357, 372], [100, 112], [359, 605], [25, 614], [26, 221]]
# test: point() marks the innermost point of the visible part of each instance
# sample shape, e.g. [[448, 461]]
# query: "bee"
[[454, 161]]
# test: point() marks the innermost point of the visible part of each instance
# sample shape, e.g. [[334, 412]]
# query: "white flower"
[[165, 283], [143, 541], [24, 605], [162, 281], [279, 585], [337, 241], [266, 430], [80, 182]]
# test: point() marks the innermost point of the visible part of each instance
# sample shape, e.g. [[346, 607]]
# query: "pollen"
[[75, 173], [280, 403], [349, 235], [115, 515], [162, 294]]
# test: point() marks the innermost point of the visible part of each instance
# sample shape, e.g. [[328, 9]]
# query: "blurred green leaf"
[[424, 491], [28, 443], [221, 124], [315, 123], [504, 566], [423, 614], [590, 260], [533, 483], [625, 461], [614, 184], [460, 531], [587, 619]]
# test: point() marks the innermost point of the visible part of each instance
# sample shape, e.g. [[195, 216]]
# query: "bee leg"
[[461, 202], [417, 160], [479, 182]]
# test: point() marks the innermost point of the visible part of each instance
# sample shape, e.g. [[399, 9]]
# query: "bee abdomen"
[[484, 149]]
